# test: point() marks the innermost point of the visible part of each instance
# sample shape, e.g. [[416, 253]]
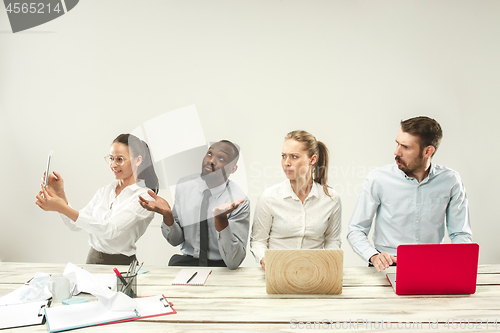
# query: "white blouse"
[[282, 221], [114, 223]]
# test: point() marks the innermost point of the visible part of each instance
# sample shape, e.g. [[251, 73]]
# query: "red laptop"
[[435, 269]]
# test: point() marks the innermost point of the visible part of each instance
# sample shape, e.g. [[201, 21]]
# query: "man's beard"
[[205, 172], [412, 166], [216, 175]]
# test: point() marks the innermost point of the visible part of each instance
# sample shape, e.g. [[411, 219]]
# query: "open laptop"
[[435, 269], [304, 271]]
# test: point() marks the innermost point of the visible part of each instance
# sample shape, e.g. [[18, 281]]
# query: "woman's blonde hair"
[[314, 147]]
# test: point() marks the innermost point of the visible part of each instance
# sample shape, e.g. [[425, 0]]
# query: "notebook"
[[68, 317], [192, 277], [304, 271], [435, 269]]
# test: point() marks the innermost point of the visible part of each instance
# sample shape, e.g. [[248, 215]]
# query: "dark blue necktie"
[[204, 229]]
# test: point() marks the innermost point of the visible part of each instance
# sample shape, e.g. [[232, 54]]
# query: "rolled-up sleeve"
[[174, 233], [87, 211], [457, 215], [112, 227]]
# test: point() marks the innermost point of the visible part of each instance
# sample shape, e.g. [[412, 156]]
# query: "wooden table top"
[[237, 300]]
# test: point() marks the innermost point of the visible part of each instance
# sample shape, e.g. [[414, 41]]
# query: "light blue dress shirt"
[[409, 212]]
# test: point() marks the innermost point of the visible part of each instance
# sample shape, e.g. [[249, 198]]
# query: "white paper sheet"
[[37, 290], [61, 318], [88, 283]]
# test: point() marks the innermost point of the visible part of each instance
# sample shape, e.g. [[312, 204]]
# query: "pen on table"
[[192, 277], [120, 277]]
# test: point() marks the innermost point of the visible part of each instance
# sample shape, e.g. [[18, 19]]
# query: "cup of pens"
[[127, 283]]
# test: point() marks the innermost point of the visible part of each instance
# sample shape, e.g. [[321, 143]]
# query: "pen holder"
[[128, 285]]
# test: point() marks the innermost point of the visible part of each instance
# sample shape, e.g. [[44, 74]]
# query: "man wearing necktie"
[[206, 220]]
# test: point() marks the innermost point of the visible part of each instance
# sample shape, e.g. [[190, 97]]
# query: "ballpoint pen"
[[192, 277]]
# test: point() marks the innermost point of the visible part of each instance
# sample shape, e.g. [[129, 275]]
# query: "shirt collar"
[[216, 191], [287, 190], [140, 184], [289, 193], [432, 173], [314, 190]]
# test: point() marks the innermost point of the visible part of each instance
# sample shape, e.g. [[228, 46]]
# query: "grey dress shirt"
[[229, 244]]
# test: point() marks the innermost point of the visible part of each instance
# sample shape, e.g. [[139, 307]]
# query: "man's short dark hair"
[[235, 147], [427, 129]]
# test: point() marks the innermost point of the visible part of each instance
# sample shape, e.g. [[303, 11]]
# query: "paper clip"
[[164, 302], [40, 311]]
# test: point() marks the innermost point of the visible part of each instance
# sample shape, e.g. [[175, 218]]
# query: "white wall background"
[[347, 71]]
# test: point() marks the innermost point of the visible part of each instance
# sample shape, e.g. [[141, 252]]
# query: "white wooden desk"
[[236, 301]]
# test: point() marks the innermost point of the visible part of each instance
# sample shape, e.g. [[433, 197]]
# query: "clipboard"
[[151, 306], [63, 318], [25, 314]]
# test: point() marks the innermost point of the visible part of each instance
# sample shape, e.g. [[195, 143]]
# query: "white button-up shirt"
[[114, 223], [282, 221]]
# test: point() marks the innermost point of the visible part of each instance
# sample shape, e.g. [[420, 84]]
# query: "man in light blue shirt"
[[412, 199]]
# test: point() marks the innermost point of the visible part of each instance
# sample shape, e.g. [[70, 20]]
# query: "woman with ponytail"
[[302, 212], [114, 218]]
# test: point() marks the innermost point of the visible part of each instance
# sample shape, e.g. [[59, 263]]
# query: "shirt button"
[[418, 204], [417, 239], [416, 221]]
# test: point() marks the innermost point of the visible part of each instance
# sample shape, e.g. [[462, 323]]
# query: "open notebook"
[[192, 277]]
